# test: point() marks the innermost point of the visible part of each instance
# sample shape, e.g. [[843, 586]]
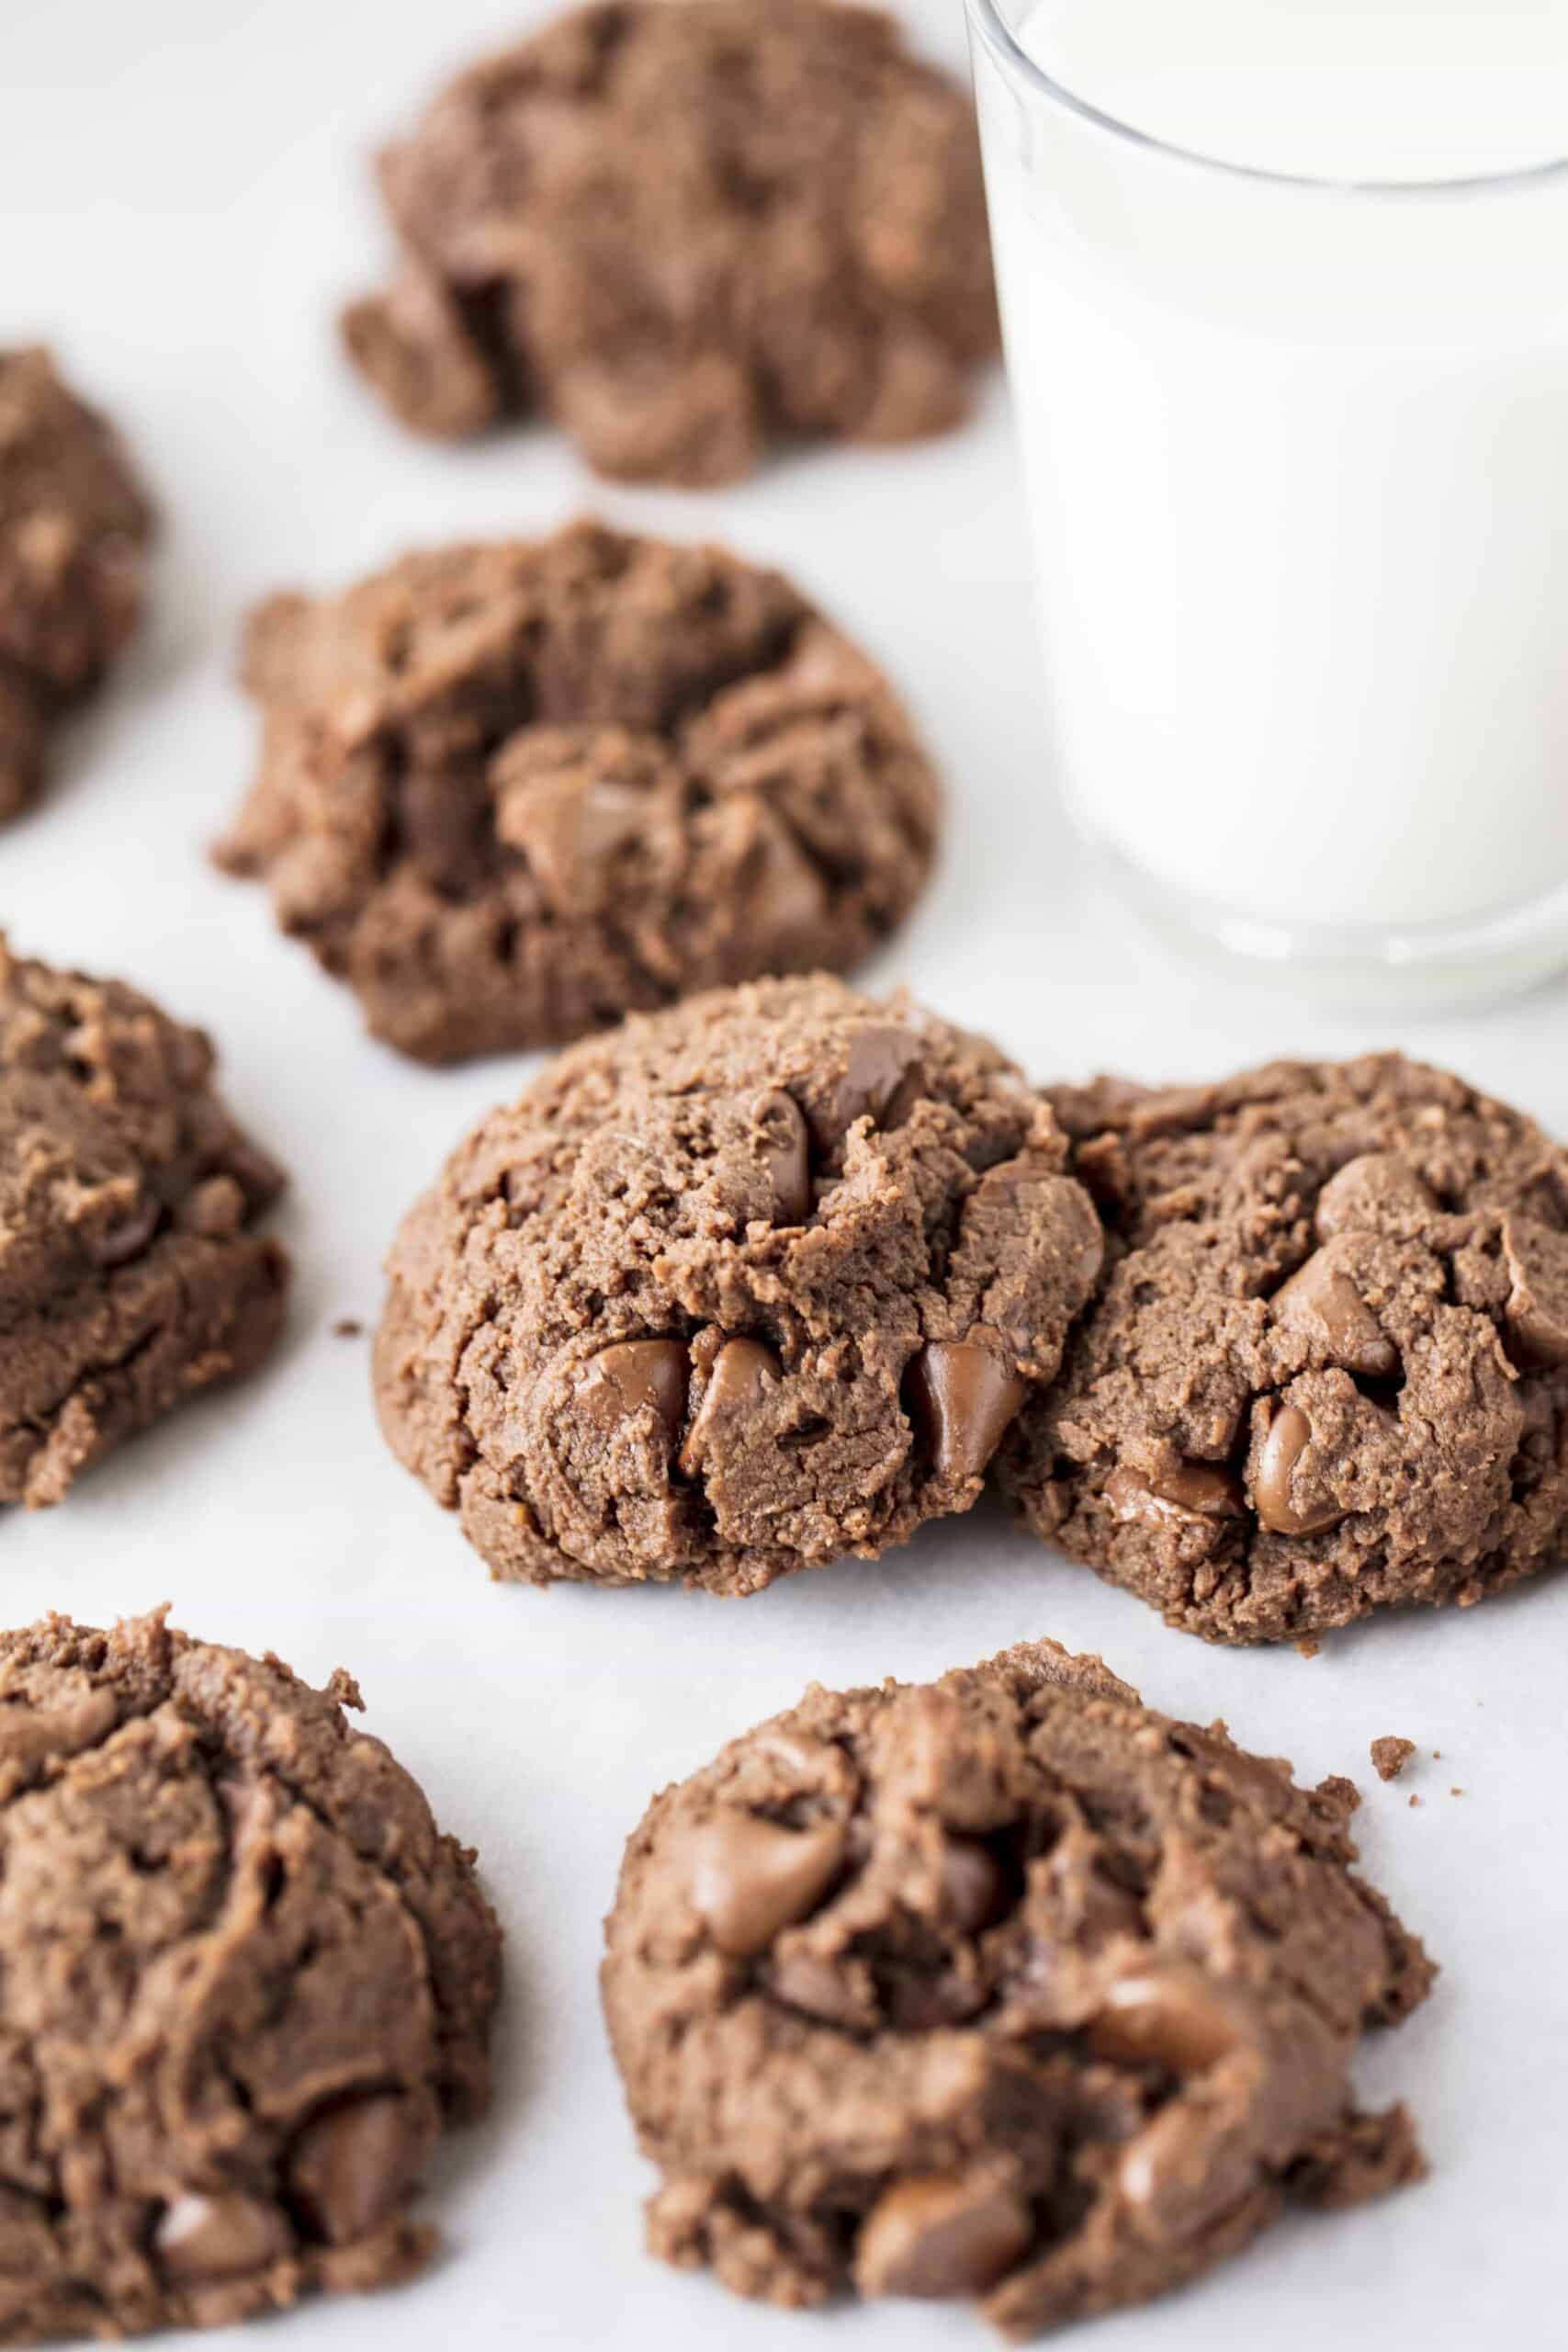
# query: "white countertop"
[[181, 203]]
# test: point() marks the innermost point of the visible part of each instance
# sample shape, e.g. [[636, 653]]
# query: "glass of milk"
[[1285, 292]]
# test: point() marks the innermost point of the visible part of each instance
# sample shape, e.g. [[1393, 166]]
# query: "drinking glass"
[[1296, 450]]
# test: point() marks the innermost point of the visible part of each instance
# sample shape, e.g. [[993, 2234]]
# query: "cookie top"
[[73, 523], [1001, 1986], [246, 1982], [684, 233], [131, 1273], [742, 1288], [513, 792], [1327, 1369]]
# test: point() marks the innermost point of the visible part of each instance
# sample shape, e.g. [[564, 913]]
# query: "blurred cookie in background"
[[75, 525], [132, 1269], [684, 233], [509, 793]]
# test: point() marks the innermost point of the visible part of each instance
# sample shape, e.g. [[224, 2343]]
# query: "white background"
[[183, 200]]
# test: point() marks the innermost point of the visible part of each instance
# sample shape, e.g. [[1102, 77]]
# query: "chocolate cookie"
[[243, 1984], [510, 793], [745, 1287], [74, 524], [131, 1273], [685, 233], [1002, 1986], [1328, 1370]]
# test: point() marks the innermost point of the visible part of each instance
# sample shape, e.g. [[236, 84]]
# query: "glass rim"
[[987, 19]]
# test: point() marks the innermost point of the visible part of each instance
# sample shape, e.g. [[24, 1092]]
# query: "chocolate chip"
[[353, 2166], [962, 1393], [634, 1376], [1176, 2180], [1536, 1309], [215, 1209], [1107, 1908], [834, 1992], [1322, 1302], [880, 1077], [1375, 1192], [783, 1146], [572, 833], [1285, 1441], [786, 896], [199, 2237], [748, 1878], [1200, 1490], [743, 1371], [972, 1884], [939, 2234], [122, 1240], [1169, 2020], [1188, 1491]]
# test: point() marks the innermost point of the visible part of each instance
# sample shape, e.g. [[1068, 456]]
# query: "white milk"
[[1298, 457]]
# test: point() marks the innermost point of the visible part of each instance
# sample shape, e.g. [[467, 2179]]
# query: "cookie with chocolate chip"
[[684, 234], [1003, 1987], [244, 1984], [1327, 1371], [510, 793], [132, 1269], [742, 1288], [73, 530]]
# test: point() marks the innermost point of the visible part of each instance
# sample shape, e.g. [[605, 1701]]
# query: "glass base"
[[1436, 966]]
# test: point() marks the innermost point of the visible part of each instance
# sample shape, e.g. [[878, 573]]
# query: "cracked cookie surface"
[[1003, 1987], [684, 233], [1327, 1369], [510, 793], [742, 1288], [73, 530], [131, 1273], [245, 1984]]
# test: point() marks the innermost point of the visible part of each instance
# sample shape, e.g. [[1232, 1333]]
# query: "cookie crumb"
[[1342, 1794], [1391, 1755], [348, 1326]]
